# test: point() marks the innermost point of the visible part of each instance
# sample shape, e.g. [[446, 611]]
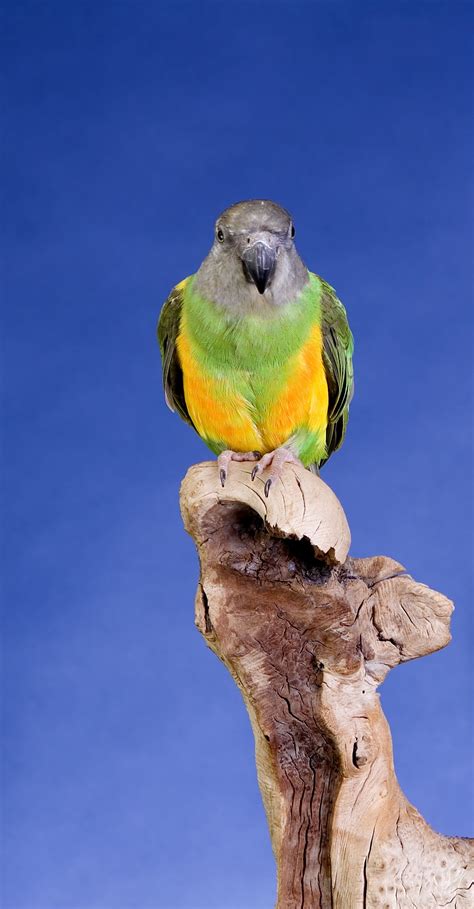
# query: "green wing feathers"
[[168, 329], [338, 347]]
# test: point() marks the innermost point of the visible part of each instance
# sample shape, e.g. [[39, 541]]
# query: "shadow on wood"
[[308, 634]]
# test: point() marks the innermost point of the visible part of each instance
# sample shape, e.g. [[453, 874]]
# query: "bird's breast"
[[258, 407]]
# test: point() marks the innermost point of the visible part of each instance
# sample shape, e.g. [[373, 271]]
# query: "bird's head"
[[253, 261]]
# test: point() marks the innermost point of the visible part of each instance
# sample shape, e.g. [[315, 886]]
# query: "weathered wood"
[[308, 634]]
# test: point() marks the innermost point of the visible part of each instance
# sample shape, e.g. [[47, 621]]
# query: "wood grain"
[[308, 634]]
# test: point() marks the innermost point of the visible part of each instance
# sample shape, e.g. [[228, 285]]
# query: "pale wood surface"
[[308, 634]]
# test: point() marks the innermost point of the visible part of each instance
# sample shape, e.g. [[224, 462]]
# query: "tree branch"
[[308, 634]]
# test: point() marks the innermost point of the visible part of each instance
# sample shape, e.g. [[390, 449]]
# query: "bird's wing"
[[338, 346], [168, 330]]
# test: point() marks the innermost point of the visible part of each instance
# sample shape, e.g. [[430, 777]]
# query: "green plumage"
[[338, 348]]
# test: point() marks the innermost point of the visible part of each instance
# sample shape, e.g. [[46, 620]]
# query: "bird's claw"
[[276, 460], [226, 457]]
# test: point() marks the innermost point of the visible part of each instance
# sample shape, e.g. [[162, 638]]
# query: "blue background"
[[128, 775]]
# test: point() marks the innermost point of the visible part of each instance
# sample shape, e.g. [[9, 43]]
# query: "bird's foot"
[[226, 457], [276, 460]]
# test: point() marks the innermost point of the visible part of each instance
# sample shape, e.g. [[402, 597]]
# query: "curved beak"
[[259, 264]]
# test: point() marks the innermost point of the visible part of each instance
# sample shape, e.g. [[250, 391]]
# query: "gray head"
[[253, 263]]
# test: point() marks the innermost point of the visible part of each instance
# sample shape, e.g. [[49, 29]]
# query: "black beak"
[[259, 264]]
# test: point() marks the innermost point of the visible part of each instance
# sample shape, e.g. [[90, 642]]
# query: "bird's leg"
[[226, 457], [276, 459]]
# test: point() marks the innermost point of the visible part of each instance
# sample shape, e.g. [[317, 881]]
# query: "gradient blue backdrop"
[[128, 775]]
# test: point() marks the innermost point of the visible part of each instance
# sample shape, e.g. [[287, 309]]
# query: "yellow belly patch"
[[304, 400], [219, 413]]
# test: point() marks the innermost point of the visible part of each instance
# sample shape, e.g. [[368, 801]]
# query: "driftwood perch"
[[308, 634]]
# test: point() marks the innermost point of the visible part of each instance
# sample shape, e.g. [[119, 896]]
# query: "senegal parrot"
[[257, 350]]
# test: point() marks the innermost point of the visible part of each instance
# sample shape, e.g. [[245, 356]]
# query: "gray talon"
[[223, 476], [267, 488], [254, 472]]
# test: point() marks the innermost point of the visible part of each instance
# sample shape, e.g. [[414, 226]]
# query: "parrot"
[[257, 350]]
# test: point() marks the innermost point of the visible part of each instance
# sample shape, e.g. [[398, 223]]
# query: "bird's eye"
[[220, 234], [292, 231]]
